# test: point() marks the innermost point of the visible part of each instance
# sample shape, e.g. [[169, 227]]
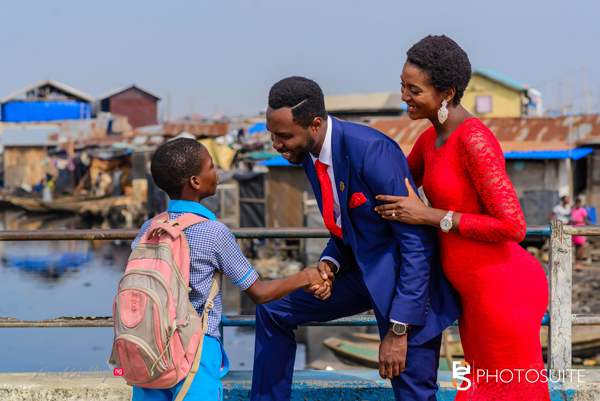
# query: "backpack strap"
[[208, 305], [161, 223], [188, 219]]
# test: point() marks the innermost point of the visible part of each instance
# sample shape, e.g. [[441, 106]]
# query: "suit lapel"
[[341, 170], [314, 182]]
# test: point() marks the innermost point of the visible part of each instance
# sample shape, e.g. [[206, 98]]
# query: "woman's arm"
[[262, 292], [483, 159], [416, 163]]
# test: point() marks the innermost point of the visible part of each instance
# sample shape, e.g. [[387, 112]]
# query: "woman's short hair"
[[446, 64]]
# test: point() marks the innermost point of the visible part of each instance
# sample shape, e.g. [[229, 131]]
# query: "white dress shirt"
[[326, 157]]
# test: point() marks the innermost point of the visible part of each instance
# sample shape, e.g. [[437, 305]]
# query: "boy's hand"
[[318, 286]]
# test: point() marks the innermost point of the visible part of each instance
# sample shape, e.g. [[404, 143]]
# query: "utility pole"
[[191, 108], [588, 104], [169, 107], [570, 104], [560, 103], [549, 90]]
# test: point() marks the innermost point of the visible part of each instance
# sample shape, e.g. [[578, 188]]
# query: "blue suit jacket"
[[399, 261]]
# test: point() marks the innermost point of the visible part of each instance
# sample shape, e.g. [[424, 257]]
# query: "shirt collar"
[[181, 206], [326, 154]]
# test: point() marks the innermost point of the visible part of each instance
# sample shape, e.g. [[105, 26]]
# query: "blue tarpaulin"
[[574, 154], [17, 112], [277, 161], [258, 127]]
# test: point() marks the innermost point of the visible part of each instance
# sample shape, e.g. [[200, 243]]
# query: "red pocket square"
[[357, 199]]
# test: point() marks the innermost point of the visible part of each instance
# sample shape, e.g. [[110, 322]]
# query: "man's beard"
[[301, 155]]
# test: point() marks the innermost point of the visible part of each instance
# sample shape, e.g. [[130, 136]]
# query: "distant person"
[[184, 169], [579, 217], [117, 174], [387, 266], [562, 211], [458, 161], [48, 190]]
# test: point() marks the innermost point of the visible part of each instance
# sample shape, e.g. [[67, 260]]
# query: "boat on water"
[[71, 204], [364, 353]]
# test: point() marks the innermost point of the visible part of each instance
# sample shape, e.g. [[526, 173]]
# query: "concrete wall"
[[505, 102], [593, 187], [22, 165], [534, 175]]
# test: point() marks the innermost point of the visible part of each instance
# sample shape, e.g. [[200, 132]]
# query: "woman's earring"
[[443, 112]]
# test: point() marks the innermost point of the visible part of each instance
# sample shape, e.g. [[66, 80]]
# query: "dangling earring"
[[443, 112]]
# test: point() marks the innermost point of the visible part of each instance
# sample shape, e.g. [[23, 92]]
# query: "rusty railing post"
[[559, 334]]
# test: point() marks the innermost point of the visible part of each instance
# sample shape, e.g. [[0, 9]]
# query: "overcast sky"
[[227, 54]]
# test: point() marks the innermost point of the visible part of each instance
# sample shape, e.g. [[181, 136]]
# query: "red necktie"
[[327, 193]]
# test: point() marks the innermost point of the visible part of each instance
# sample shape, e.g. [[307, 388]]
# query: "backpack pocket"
[[136, 358], [141, 316]]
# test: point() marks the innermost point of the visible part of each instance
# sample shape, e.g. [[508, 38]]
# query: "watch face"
[[446, 224], [399, 329]]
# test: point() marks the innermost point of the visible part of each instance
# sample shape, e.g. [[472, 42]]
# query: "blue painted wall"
[[45, 111]]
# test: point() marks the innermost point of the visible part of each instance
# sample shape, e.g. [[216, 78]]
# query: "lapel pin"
[[342, 186]]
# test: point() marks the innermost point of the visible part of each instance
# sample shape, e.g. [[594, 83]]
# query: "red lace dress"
[[503, 289]]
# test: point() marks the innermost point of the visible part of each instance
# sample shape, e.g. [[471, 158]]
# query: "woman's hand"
[[407, 209]]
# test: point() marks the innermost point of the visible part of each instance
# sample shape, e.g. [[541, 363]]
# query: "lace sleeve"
[[500, 218], [416, 162]]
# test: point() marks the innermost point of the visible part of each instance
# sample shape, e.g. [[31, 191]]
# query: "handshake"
[[321, 279]]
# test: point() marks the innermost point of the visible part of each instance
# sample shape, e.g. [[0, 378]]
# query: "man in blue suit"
[[387, 266]]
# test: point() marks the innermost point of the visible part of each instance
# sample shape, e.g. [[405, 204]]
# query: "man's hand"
[[321, 288], [392, 355], [325, 272]]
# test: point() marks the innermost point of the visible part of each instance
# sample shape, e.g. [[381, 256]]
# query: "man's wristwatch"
[[399, 329], [446, 223]]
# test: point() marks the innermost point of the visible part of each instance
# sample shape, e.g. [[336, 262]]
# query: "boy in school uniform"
[[183, 168]]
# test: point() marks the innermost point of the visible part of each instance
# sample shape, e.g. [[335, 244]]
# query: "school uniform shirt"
[[212, 247]]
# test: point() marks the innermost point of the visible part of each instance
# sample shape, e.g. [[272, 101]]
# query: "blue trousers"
[[207, 382], [275, 347]]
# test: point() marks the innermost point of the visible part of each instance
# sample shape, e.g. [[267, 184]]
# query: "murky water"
[[49, 279]]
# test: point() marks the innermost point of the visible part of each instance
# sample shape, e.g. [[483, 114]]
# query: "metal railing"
[[560, 319]]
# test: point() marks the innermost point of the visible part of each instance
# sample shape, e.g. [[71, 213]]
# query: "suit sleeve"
[[330, 252], [385, 169]]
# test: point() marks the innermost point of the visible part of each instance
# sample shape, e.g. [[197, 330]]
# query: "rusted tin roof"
[[514, 134], [199, 129]]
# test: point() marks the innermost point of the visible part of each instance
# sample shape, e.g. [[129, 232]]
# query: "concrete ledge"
[[309, 385]]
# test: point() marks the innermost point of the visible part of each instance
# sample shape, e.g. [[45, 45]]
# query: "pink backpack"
[[158, 333]]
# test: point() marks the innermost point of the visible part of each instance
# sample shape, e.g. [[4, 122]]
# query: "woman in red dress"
[[459, 163]]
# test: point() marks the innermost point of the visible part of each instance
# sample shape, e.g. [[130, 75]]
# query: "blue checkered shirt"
[[212, 246]]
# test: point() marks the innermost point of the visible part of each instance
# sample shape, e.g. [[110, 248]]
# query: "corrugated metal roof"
[[501, 78], [123, 89], [574, 154], [198, 129], [65, 131], [514, 134], [30, 135], [52, 82], [364, 102]]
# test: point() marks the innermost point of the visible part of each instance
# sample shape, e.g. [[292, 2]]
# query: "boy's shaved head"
[[175, 162]]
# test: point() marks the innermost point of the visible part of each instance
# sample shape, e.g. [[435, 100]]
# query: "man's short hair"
[[302, 95], [174, 162]]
